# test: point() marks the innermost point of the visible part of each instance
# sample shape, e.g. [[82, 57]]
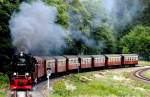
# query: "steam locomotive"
[[27, 70], [22, 67]]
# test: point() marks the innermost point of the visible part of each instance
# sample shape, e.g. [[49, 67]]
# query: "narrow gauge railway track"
[[140, 74]]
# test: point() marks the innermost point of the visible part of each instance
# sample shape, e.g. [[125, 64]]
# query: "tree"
[[106, 35], [6, 9], [137, 41], [62, 7], [125, 50]]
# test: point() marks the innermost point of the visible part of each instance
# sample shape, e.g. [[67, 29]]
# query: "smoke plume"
[[33, 29]]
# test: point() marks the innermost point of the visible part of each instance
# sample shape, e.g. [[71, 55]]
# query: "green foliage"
[[62, 6], [80, 17], [138, 41], [147, 74], [125, 50], [3, 84], [6, 9], [105, 34], [60, 88], [104, 85]]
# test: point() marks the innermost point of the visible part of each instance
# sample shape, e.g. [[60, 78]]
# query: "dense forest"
[[93, 28]]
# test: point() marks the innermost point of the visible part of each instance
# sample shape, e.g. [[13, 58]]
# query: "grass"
[[144, 63], [3, 84], [147, 74], [100, 84]]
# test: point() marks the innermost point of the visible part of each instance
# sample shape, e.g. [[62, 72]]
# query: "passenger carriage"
[[60, 64], [50, 64], [85, 61], [40, 70], [113, 59], [98, 60], [129, 59], [72, 62]]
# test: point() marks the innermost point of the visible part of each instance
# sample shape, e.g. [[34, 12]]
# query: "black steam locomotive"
[[21, 72]]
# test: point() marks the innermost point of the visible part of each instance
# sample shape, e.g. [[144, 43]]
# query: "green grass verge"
[[100, 84], [147, 74], [3, 84], [144, 63]]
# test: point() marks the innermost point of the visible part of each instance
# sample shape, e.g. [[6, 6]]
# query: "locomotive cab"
[[22, 67]]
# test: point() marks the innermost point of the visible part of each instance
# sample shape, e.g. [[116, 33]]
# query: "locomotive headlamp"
[[27, 74], [15, 73], [21, 54]]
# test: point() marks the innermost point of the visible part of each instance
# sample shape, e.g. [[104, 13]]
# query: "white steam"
[[33, 29]]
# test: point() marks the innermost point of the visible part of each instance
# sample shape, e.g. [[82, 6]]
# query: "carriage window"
[[136, 58], [95, 60], [49, 65], [70, 61], [98, 60], [102, 59], [112, 59], [84, 61], [61, 62], [87, 61], [75, 61]]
